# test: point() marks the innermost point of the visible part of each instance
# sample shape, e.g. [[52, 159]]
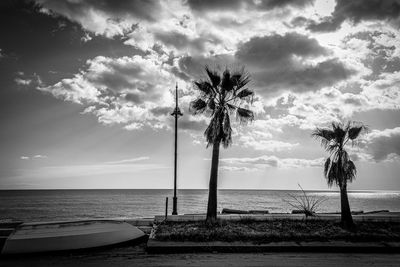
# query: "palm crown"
[[220, 96], [339, 168]]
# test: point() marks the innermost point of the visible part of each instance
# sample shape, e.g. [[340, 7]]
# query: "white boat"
[[59, 236]]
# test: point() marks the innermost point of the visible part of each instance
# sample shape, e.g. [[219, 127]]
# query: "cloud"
[[236, 169], [128, 161], [23, 82], [211, 5], [279, 62], [125, 90], [183, 43], [33, 157], [357, 11], [265, 161], [107, 17], [382, 144], [192, 123], [379, 50], [272, 49], [271, 4], [221, 5], [192, 67], [40, 157], [251, 141]]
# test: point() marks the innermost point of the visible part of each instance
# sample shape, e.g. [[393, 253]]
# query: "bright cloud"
[[262, 162]]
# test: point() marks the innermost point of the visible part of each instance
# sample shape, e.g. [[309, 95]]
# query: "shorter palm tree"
[[220, 96], [339, 169]]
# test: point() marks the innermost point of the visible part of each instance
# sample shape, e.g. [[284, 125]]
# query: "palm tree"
[[220, 96], [339, 168]]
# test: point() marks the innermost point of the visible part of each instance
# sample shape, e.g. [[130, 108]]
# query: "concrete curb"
[[168, 247]]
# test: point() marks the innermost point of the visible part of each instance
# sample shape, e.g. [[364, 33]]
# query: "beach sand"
[[136, 256]]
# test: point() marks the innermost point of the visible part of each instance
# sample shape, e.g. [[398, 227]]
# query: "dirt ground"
[[136, 256]]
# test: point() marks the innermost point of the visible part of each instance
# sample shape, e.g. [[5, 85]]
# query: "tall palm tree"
[[339, 169], [220, 96]]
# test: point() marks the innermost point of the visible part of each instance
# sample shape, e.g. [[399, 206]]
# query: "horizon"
[[88, 89], [205, 189]]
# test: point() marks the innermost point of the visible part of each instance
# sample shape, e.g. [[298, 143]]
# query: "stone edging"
[[161, 247]]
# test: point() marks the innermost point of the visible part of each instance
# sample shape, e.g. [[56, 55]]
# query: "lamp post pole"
[[176, 114]]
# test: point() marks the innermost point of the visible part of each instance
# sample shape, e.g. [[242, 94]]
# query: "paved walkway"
[[136, 256]]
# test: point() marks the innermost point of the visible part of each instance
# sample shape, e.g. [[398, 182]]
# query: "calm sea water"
[[49, 205]]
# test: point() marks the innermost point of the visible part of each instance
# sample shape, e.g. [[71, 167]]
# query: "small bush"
[[305, 203]]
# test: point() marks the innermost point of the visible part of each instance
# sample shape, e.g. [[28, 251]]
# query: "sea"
[[59, 205]]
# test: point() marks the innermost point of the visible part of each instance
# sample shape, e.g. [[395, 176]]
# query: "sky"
[[87, 88]]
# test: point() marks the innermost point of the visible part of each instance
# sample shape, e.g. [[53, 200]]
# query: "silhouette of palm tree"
[[220, 96], [339, 168]]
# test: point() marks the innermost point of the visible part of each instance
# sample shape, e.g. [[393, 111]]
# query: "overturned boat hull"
[[60, 236]]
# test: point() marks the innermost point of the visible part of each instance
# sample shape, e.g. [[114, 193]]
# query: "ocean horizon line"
[[194, 189]]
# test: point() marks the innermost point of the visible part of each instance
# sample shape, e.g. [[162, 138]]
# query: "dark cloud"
[[158, 111], [302, 78], [271, 4], [50, 46], [141, 9], [216, 5], [181, 41], [327, 24], [383, 143], [356, 11], [178, 40], [274, 63], [299, 21], [268, 50], [116, 75], [203, 5], [186, 124], [193, 67], [134, 98], [353, 101]]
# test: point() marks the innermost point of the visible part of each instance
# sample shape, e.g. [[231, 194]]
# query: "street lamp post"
[[177, 113]]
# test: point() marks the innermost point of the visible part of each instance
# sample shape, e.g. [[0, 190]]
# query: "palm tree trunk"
[[212, 191], [346, 218]]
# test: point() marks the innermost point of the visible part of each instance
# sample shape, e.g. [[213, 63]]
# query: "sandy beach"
[[136, 256]]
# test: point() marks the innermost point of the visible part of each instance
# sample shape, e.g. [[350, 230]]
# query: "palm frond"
[[350, 170], [327, 166], [214, 77], [197, 106], [328, 172], [245, 94], [344, 157], [240, 79], [226, 83], [332, 176], [227, 130], [231, 107], [325, 136], [244, 115], [213, 133], [339, 132], [205, 87], [355, 131], [211, 103]]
